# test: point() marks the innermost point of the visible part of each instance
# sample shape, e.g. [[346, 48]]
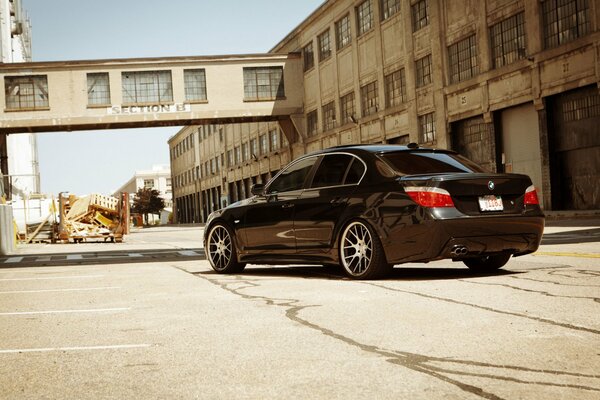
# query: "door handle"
[[288, 205], [337, 201]]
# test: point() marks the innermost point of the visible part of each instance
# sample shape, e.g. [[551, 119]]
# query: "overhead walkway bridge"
[[151, 92]]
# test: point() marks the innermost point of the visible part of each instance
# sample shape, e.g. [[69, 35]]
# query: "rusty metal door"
[[474, 139], [575, 149]]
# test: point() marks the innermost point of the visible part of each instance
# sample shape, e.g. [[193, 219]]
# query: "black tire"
[[488, 263], [361, 253], [221, 251]]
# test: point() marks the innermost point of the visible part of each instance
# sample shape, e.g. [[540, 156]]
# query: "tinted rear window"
[[421, 162]]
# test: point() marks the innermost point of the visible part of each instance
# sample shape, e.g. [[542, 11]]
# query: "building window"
[[274, 136], [26, 92], [311, 123], [98, 89], [347, 108], [238, 155], [145, 87], [364, 17], [581, 108], [420, 14], [368, 98], [328, 112], [230, 158], [148, 183], [254, 148], [395, 88], [263, 83], [342, 32], [245, 152], [264, 144], [308, 55], [564, 20], [423, 67], [508, 40], [195, 84], [324, 45], [389, 8], [463, 59], [426, 128]]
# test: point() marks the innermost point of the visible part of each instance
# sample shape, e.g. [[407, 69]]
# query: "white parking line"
[[92, 310], [189, 253], [78, 348], [43, 259], [13, 260], [135, 255], [74, 257], [62, 290], [52, 277]]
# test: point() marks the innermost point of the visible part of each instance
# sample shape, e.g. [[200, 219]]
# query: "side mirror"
[[257, 189]]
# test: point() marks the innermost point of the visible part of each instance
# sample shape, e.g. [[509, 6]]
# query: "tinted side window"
[[293, 177], [356, 171], [332, 170], [421, 162]]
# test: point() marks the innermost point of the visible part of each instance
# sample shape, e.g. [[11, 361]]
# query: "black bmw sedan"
[[369, 207]]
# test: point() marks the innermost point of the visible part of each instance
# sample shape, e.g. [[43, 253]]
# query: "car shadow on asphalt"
[[399, 273]]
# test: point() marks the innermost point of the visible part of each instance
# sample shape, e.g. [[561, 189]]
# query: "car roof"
[[379, 148]]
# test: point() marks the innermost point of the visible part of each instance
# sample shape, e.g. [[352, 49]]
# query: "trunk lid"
[[477, 193]]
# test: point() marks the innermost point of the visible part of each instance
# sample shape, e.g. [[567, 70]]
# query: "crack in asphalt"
[[553, 283], [512, 313], [416, 362], [596, 299]]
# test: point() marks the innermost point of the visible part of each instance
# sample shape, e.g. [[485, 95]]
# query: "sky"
[[101, 161]]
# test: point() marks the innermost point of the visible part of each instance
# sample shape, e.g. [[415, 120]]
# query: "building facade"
[[511, 84], [158, 178], [21, 169]]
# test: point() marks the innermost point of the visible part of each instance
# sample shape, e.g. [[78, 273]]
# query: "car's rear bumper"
[[434, 239]]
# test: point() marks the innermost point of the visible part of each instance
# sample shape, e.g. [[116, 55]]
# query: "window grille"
[[98, 89], [328, 112], [347, 108], [324, 45], [423, 67], [426, 128], [311, 123], [263, 83], [420, 14], [364, 17], [463, 59], [195, 84], [389, 8], [342, 32], [147, 87], [26, 92], [368, 98], [564, 21], [395, 88]]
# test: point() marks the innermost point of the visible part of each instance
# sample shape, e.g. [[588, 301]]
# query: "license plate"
[[490, 203]]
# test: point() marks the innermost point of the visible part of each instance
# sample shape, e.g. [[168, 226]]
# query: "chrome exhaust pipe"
[[459, 250]]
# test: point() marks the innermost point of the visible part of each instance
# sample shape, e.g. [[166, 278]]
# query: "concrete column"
[[7, 232]]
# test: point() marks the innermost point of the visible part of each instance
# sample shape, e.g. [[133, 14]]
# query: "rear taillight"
[[430, 197], [531, 197]]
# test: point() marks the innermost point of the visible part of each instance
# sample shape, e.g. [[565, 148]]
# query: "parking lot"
[[149, 319]]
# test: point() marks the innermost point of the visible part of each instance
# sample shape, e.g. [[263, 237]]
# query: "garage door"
[[575, 150]]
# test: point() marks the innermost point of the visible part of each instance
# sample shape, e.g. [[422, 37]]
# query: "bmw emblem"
[[491, 185]]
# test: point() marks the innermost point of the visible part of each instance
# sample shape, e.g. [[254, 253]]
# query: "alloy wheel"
[[357, 248], [220, 249]]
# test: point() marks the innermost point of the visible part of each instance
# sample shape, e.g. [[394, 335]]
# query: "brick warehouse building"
[[512, 85]]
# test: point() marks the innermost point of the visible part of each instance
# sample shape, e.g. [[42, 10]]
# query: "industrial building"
[[21, 175], [511, 84]]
